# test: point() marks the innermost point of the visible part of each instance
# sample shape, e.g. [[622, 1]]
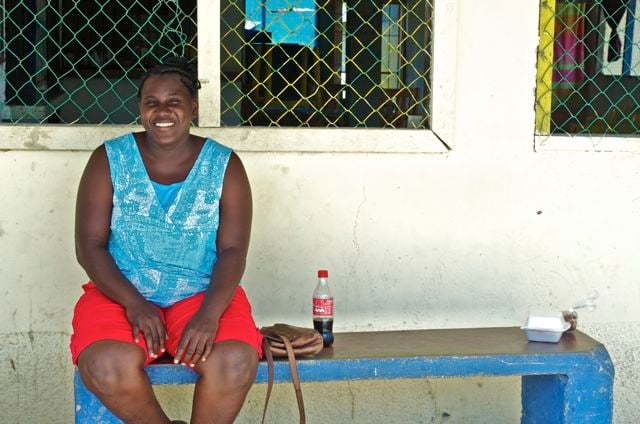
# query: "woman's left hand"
[[196, 342], [232, 244]]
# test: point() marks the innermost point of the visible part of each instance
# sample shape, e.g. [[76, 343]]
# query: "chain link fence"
[[287, 63], [70, 61], [588, 68], [327, 63]]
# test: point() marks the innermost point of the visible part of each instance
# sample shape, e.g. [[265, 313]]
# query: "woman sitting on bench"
[[162, 229]]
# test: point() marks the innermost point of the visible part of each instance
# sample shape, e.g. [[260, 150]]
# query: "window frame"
[[438, 139]]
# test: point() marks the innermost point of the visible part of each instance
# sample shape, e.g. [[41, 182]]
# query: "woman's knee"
[[234, 362], [109, 367]]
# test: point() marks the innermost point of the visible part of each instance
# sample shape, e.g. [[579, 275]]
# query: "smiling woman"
[[162, 230]]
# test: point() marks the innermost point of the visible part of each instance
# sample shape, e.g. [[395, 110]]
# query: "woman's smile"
[[164, 124]]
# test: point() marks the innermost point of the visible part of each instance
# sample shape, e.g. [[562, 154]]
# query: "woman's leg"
[[110, 362], [225, 380], [229, 371], [114, 371]]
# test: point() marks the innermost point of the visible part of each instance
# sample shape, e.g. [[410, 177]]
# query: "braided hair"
[[179, 66]]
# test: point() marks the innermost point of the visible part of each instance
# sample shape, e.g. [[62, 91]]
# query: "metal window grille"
[[588, 68], [299, 63], [326, 63], [70, 61]]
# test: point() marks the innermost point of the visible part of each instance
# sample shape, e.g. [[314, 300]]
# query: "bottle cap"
[[323, 273]]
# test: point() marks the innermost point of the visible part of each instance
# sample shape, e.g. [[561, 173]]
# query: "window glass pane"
[[327, 63]]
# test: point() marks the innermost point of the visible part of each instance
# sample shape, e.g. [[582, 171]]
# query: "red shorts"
[[96, 317]]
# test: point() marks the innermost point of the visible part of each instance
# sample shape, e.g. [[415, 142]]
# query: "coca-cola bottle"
[[323, 308]]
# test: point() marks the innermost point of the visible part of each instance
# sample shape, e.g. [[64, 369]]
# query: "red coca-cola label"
[[323, 307]]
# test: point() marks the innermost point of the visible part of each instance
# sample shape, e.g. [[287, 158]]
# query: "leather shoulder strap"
[[267, 353], [295, 378]]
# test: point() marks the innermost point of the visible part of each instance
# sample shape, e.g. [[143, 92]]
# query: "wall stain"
[[284, 170], [34, 137], [47, 313], [34, 145]]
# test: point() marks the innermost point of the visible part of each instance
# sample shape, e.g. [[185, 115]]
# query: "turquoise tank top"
[[167, 253]]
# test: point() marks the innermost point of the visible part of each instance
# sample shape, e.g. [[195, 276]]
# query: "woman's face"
[[166, 108]]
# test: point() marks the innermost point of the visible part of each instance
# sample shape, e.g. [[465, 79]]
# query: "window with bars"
[[588, 68], [68, 62], [283, 63]]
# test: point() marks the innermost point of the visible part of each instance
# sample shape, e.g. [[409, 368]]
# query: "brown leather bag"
[[283, 340], [304, 341]]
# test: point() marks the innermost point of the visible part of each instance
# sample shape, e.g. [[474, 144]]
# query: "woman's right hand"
[[145, 318], [93, 226]]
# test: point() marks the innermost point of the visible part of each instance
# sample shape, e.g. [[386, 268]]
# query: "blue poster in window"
[[286, 21]]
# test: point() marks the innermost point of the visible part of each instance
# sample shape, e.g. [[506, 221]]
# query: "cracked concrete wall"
[[477, 237], [411, 242]]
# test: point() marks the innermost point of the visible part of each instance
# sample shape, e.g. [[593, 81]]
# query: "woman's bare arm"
[[234, 233], [93, 221]]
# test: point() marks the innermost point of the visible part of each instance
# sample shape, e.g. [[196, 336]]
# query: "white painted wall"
[[411, 241]]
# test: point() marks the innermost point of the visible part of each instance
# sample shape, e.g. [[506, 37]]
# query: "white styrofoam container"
[[545, 328]]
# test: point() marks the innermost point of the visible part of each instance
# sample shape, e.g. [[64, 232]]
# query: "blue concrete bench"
[[566, 382]]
